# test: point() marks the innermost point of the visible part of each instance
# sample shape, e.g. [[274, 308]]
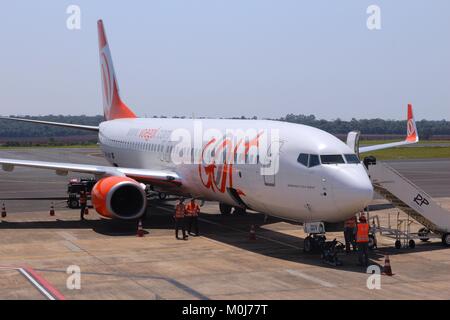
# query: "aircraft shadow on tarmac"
[[231, 230]]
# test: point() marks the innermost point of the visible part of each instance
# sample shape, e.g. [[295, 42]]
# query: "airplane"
[[317, 177]]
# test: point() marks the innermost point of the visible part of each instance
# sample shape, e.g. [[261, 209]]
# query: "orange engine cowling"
[[119, 197]]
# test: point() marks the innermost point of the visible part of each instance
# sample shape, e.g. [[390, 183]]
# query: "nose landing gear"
[[316, 236], [313, 243], [316, 241]]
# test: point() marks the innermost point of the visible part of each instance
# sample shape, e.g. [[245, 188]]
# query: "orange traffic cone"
[[252, 235], [387, 270], [86, 211], [3, 211], [140, 230], [52, 210]]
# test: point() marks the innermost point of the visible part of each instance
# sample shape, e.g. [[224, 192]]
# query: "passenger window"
[[313, 160], [351, 158], [331, 159], [303, 159]]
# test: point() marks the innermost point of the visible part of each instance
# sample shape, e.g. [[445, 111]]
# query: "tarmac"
[[222, 263]]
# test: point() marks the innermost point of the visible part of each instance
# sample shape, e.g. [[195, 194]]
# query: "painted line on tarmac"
[[300, 274], [67, 236], [36, 284], [48, 288], [239, 230], [174, 282], [71, 246], [42, 285]]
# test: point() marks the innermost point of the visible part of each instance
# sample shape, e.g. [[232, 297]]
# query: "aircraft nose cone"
[[362, 192], [353, 190]]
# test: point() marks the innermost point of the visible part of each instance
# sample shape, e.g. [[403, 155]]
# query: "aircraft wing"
[[156, 177], [57, 124], [411, 137]]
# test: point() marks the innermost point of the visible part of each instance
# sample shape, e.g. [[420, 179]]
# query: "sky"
[[230, 58]]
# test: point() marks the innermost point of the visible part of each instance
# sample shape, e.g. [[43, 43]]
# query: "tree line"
[[427, 128]]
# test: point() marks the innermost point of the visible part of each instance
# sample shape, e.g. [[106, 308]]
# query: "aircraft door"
[[271, 163]]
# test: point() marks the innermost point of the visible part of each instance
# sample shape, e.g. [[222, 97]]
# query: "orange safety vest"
[[362, 232], [179, 211], [192, 210]]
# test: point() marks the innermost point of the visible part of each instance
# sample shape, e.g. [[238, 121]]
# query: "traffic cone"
[[387, 270], [140, 230], [252, 235], [86, 211], [3, 211], [52, 210]]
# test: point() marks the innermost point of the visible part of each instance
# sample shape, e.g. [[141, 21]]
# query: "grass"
[[410, 153], [402, 153]]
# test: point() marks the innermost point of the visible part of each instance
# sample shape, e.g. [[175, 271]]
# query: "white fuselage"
[[323, 192]]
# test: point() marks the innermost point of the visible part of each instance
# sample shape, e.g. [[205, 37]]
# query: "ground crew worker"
[[362, 241], [193, 209], [349, 236], [83, 203], [188, 217], [179, 219]]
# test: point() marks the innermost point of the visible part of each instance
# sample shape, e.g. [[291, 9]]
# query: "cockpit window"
[[303, 159], [313, 160], [331, 159], [351, 158], [308, 160]]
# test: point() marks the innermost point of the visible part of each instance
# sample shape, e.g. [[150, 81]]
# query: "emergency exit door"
[[270, 178]]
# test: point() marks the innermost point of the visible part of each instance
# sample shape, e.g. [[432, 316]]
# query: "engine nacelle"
[[119, 198]]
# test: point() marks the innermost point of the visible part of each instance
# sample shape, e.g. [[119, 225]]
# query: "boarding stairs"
[[409, 198]]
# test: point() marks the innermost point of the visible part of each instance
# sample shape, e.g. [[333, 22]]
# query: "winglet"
[[113, 106], [411, 136], [411, 129]]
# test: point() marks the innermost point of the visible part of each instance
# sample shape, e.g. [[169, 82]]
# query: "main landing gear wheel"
[[225, 208], [424, 234], [412, 244], [307, 245], [398, 244], [446, 239]]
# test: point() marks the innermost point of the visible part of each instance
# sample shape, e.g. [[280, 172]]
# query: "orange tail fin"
[[411, 126], [113, 106]]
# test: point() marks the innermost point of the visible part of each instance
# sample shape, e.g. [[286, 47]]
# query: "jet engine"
[[119, 198]]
